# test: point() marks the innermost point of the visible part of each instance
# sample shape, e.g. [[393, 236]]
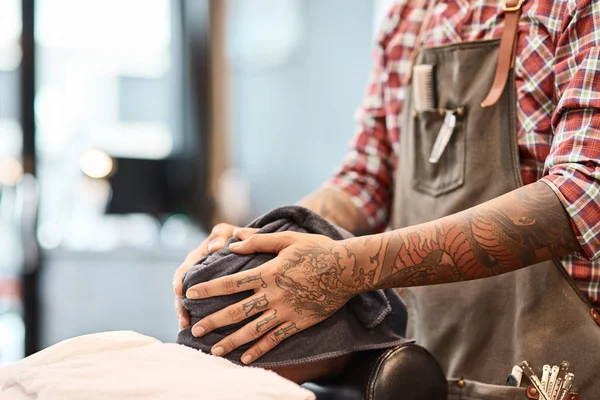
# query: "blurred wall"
[[299, 69], [90, 292]]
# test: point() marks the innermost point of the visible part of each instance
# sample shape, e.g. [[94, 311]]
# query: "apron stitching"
[[516, 167]]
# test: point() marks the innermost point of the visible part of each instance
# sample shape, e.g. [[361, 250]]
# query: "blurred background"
[[128, 128]]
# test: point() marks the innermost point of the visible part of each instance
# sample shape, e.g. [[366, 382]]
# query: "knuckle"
[[220, 229], [254, 334], [235, 314], [228, 285], [209, 325], [258, 352], [229, 343], [272, 341]]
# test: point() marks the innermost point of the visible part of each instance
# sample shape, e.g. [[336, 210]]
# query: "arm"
[[521, 228], [545, 220], [337, 207], [313, 276]]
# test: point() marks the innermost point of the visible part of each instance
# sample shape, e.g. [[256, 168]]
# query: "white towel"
[[126, 365]]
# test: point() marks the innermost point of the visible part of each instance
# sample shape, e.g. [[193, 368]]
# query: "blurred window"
[[108, 85]]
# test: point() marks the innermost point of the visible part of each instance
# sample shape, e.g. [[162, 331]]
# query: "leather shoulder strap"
[[506, 56]]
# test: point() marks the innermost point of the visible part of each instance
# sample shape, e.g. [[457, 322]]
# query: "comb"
[[424, 91]]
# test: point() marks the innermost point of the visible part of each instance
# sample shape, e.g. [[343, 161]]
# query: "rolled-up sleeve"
[[572, 168]]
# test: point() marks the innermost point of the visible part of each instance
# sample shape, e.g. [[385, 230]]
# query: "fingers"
[[219, 236], [247, 334], [231, 315], [182, 313], [235, 283], [216, 241], [244, 233], [269, 341], [264, 243]]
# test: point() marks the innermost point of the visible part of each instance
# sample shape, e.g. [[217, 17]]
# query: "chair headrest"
[[408, 369]]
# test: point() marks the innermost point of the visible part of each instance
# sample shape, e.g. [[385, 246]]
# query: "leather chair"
[[406, 372]]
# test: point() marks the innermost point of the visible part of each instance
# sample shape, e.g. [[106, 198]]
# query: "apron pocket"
[[463, 389], [448, 173]]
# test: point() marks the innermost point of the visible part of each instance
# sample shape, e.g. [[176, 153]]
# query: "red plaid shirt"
[[558, 88]]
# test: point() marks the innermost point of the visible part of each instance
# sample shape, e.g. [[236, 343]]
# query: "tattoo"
[[336, 207], [252, 278], [318, 281], [259, 304], [526, 226], [263, 324], [286, 331]]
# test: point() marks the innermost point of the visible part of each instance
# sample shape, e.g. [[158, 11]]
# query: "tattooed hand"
[[214, 242], [312, 277]]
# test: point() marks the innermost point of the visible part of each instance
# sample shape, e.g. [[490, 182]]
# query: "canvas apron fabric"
[[478, 330]]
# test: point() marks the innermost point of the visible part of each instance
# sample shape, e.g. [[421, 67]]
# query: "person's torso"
[[541, 24]]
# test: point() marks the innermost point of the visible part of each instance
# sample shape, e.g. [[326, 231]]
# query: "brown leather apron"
[[478, 330]]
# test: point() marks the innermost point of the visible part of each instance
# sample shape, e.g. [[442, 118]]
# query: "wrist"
[[367, 261]]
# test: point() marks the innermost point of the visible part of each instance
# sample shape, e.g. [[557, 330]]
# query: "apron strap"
[[419, 42], [506, 56]]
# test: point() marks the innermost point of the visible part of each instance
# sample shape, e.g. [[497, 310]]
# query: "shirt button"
[[460, 383]]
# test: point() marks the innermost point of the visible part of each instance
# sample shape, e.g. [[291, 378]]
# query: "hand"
[[217, 239], [309, 280]]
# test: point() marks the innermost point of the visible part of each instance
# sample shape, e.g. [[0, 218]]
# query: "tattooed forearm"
[[336, 207], [256, 304], [287, 331], [521, 228], [252, 278], [266, 323]]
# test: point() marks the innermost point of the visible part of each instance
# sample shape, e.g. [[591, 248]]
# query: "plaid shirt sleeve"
[[366, 173], [572, 168]]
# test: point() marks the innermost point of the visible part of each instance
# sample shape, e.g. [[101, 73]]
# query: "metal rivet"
[[460, 111], [460, 383], [532, 391], [595, 315]]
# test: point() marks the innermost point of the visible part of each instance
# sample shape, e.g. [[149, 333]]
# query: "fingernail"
[[218, 351], [198, 331], [190, 294], [234, 245], [247, 359], [214, 245], [236, 232]]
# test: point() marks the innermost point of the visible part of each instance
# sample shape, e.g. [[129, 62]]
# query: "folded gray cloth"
[[373, 320]]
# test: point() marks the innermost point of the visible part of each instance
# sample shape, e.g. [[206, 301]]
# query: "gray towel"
[[372, 320]]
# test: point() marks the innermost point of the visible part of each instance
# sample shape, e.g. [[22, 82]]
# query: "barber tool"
[[514, 379], [443, 137], [568, 382], [545, 376], [535, 381], [560, 378], [424, 92], [552, 380]]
